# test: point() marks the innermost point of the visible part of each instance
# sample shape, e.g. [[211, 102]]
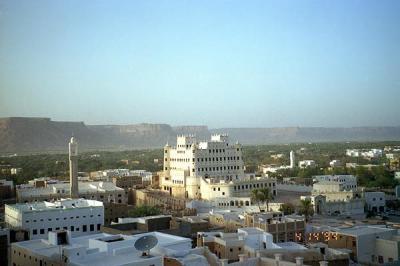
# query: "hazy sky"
[[219, 63]]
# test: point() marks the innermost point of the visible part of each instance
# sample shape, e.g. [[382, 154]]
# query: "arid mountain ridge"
[[32, 135]]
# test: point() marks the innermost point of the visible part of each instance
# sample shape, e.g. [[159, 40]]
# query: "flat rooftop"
[[291, 246], [264, 217], [193, 219], [62, 204], [84, 187], [141, 220], [364, 230], [251, 230], [107, 249]]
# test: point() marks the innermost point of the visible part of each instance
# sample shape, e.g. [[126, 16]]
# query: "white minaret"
[[73, 168], [292, 159]]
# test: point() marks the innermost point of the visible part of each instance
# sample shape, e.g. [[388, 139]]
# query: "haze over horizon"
[[194, 125], [214, 63]]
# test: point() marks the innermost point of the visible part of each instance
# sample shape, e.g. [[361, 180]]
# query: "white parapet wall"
[[294, 188]]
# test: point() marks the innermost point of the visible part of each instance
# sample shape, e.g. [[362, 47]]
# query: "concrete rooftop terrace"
[[63, 188], [106, 249], [62, 204], [364, 230]]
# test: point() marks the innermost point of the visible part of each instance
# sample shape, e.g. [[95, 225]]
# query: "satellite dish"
[[145, 243]]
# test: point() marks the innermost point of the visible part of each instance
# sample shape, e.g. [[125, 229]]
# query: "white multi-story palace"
[[215, 158], [80, 216], [208, 169]]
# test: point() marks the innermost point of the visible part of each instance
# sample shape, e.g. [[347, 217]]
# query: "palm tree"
[[267, 196], [262, 195], [287, 208], [306, 209], [256, 196]]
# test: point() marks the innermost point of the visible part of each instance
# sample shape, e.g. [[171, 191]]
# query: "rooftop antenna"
[[145, 243]]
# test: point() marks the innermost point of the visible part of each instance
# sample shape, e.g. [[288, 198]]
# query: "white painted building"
[[108, 174], [375, 201], [332, 183], [80, 216], [108, 250], [353, 152], [273, 168], [391, 156], [307, 163], [341, 206], [95, 190], [211, 188], [335, 163], [234, 206], [372, 153], [246, 243], [372, 243], [249, 239], [216, 158], [293, 187], [397, 175], [336, 194], [208, 170], [15, 171], [369, 244]]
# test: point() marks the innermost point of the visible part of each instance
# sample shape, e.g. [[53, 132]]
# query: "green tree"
[[287, 208], [306, 209], [262, 195]]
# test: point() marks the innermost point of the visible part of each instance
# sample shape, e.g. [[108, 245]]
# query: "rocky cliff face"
[[135, 136], [201, 132], [310, 134], [20, 134]]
